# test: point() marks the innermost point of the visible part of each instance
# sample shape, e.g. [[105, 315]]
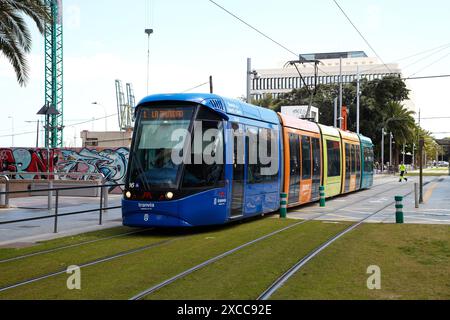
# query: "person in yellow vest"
[[402, 169]]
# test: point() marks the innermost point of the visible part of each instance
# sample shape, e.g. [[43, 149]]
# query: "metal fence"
[[103, 203]]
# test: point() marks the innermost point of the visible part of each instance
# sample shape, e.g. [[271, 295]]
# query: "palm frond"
[[16, 57], [15, 37]]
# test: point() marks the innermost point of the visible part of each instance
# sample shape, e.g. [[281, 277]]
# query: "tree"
[[375, 108], [267, 102], [15, 37], [400, 122]]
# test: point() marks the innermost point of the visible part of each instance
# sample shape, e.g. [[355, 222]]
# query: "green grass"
[[6, 253], [427, 174], [414, 262], [38, 265], [126, 276], [430, 172], [247, 273]]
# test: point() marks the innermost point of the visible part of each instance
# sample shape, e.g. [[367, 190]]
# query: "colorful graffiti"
[[78, 164]]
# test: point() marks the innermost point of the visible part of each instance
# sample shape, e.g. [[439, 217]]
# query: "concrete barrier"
[[2, 196]]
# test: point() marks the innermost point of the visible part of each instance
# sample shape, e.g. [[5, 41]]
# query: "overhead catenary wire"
[[423, 52], [428, 77], [426, 57], [362, 36], [258, 31], [446, 45], [198, 86], [68, 126], [431, 64]]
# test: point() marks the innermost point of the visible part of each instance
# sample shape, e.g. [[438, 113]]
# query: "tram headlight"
[[128, 195], [169, 195]]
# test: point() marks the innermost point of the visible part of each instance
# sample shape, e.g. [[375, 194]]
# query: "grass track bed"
[[247, 273], [126, 276], [414, 262], [8, 253], [50, 262]]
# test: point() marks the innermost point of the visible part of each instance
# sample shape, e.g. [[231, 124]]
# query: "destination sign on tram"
[[169, 114]]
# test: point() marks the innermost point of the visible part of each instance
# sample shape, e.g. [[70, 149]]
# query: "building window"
[[91, 142]]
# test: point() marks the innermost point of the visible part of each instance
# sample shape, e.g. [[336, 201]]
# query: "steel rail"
[[168, 281], [71, 246], [88, 264], [209, 261], [277, 284], [160, 285]]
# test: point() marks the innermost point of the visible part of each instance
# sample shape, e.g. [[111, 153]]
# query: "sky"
[[104, 40]]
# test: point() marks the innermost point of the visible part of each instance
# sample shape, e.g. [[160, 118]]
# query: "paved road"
[[355, 206]]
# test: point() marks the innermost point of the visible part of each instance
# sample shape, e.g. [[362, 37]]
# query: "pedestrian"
[[402, 168]]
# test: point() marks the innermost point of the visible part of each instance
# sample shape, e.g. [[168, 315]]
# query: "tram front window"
[[152, 163]]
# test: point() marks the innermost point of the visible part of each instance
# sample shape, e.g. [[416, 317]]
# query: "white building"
[[283, 80], [109, 139]]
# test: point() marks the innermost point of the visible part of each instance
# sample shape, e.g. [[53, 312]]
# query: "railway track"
[[164, 242], [71, 246], [185, 273], [278, 283], [101, 239], [88, 264]]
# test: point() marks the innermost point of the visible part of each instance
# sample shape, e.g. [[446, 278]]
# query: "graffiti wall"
[[90, 162]]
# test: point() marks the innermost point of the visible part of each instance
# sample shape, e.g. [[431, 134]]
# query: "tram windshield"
[[163, 136], [152, 164]]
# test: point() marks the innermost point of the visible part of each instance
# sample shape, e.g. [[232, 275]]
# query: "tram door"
[[294, 174], [237, 194], [317, 169], [348, 166]]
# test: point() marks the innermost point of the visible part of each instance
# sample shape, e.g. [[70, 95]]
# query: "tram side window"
[[348, 160], [334, 158], [358, 159], [253, 168], [206, 174], [269, 138], [368, 160], [255, 139], [306, 158], [353, 159], [294, 146], [316, 158]]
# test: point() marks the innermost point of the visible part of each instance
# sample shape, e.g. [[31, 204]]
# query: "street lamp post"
[[382, 150], [12, 130], [148, 32], [37, 131], [106, 116], [404, 151], [390, 150], [357, 100]]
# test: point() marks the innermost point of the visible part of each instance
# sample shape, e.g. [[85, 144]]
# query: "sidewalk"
[[355, 206], [38, 230], [434, 210]]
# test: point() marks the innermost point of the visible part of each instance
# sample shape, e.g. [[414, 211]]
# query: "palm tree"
[[400, 121], [15, 37]]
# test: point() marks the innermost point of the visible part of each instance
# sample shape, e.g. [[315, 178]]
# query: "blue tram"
[[202, 159]]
